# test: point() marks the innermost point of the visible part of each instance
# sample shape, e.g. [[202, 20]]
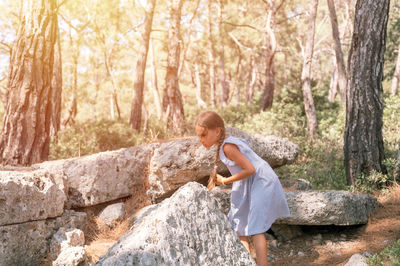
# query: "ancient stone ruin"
[[41, 224]]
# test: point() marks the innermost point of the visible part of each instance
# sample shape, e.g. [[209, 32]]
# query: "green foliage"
[[392, 39], [389, 256], [92, 137], [369, 183]]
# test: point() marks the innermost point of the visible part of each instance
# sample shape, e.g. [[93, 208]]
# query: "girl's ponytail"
[[213, 175]]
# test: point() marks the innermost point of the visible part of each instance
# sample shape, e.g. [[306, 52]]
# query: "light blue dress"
[[256, 201]]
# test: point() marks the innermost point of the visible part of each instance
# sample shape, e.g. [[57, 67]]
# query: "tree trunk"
[[191, 29], [333, 84], [270, 43], [137, 98], [154, 83], [211, 56], [309, 107], [396, 172], [25, 135], [341, 69], [113, 95], [222, 76], [237, 76], [200, 102], [363, 142], [73, 104], [56, 92], [396, 75], [252, 80], [172, 99]]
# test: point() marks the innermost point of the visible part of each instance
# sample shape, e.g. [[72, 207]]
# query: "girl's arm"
[[233, 153]]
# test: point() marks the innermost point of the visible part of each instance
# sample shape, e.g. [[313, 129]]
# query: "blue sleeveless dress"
[[256, 201]]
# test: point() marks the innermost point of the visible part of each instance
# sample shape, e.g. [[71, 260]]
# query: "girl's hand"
[[219, 179]]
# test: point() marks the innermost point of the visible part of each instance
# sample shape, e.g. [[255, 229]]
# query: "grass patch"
[[389, 256]]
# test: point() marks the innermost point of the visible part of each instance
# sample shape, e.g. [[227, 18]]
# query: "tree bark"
[[237, 76], [312, 123], [154, 82], [396, 172], [363, 142], [25, 135], [172, 99], [222, 77], [269, 54], [211, 56], [341, 69], [396, 75], [191, 29], [137, 98], [73, 104], [56, 92], [200, 102], [333, 84], [252, 80], [113, 95]]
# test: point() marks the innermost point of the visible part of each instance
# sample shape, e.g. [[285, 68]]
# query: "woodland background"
[[245, 59], [102, 75]]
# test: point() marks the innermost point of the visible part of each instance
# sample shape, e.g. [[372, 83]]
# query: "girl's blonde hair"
[[212, 120]]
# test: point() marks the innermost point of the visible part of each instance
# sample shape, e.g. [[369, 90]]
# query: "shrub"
[[92, 137], [389, 256]]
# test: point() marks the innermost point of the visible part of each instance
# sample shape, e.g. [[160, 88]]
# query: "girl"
[[257, 197]]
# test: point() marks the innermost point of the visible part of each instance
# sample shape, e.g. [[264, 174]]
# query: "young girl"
[[257, 197]]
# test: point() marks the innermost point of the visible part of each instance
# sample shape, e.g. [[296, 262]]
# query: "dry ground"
[[318, 246], [336, 246]]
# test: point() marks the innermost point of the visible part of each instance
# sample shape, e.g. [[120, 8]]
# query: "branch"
[[62, 3], [284, 20], [6, 45], [81, 28], [237, 42], [242, 25], [279, 6]]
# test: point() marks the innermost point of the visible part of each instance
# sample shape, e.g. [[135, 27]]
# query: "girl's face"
[[208, 137]]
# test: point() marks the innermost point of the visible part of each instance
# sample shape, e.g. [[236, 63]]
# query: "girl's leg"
[[261, 247], [245, 242]]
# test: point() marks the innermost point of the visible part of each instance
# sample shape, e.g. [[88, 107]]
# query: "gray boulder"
[[112, 214], [295, 184], [65, 238], [28, 196], [328, 208], [276, 151], [29, 243], [177, 162], [104, 176], [72, 256], [357, 260], [316, 207], [185, 229]]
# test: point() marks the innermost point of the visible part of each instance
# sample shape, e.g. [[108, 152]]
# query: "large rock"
[[103, 177], [276, 151], [29, 243], [357, 260], [316, 207], [185, 229], [177, 162], [295, 184], [328, 208], [28, 196], [65, 238], [72, 256], [112, 214]]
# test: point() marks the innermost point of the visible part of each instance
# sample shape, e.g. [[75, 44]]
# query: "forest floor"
[[335, 245], [317, 246]]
